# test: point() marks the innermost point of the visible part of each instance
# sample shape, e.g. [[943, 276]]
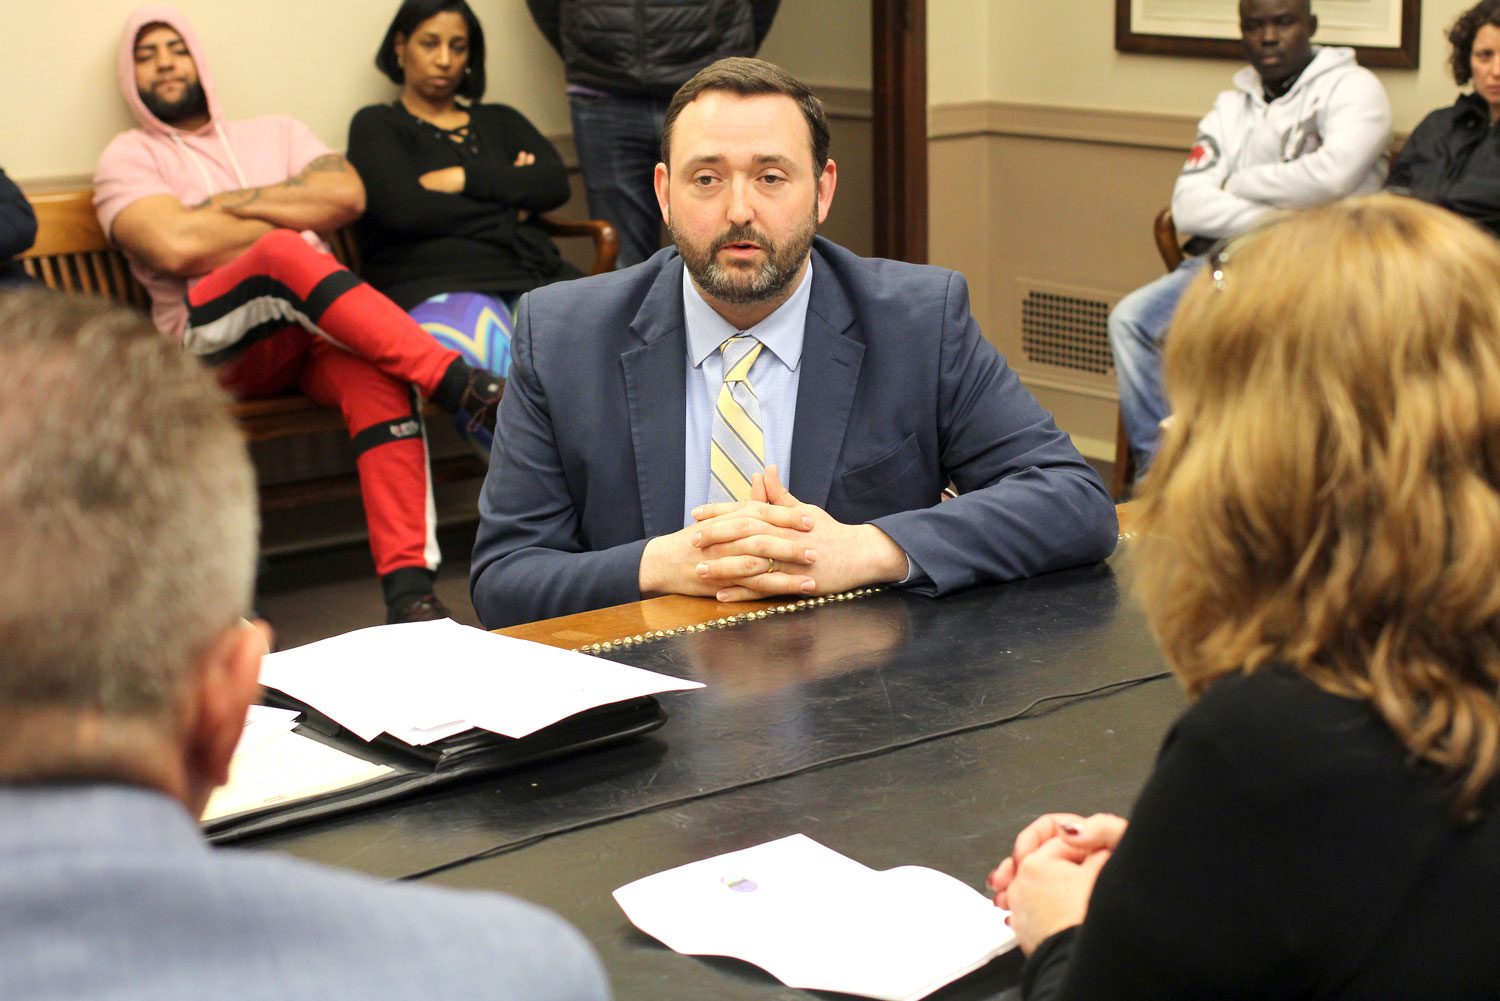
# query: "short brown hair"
[[127, 510], [1328, 493], [748, 78]]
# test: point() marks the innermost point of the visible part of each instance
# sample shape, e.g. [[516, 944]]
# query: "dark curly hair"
[[1461, 37], [409, 17]]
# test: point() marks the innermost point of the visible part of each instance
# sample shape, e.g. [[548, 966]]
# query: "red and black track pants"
[[284, 314]]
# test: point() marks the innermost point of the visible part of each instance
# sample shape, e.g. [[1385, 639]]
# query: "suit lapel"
[[657, 399], [831, 360]]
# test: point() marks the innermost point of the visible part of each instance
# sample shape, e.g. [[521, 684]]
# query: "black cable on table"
[[843, 759]]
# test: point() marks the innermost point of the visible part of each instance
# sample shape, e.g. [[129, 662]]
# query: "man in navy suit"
[[127, 520], [654, 414]]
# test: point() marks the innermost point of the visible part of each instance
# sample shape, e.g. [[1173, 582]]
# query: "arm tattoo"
[[328, 163], [231, 200]]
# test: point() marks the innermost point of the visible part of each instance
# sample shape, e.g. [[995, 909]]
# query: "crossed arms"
[[1228, 198], [185, 241]]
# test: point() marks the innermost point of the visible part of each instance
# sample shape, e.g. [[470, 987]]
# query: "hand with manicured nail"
[[1047, 879]]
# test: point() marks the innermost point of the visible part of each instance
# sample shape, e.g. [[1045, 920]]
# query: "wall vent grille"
[[1066, 331]]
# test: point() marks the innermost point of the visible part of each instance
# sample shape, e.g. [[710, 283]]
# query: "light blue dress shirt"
[[774, 376]]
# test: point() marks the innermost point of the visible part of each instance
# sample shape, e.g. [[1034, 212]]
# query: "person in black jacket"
[[624, 59], [1315, 553], [17, 232], [453, 188], [1453, 157]]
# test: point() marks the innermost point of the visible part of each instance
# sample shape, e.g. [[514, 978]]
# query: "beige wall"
[[1050, 155], [313, 58], [1062, 53], [310, 59]]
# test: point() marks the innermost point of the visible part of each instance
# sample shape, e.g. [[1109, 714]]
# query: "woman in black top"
[[1452, 159], [453, 187], [1316, 554]]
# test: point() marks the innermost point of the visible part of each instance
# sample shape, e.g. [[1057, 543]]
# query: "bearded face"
[[742, 275], [187, 102]]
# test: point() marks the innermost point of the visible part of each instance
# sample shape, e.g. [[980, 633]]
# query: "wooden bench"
[[72, 254]]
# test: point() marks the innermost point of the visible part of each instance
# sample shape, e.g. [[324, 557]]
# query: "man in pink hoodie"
[[220, 219]]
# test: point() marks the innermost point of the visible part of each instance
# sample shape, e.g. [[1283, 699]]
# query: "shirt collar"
[[781, 332]]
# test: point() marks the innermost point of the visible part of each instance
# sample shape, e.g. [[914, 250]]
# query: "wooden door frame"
[[899, 36]]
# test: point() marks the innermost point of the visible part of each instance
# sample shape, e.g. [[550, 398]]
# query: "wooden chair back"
[[71, 253]]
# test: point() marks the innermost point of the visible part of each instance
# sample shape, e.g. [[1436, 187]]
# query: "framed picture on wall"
[[1382, 32]]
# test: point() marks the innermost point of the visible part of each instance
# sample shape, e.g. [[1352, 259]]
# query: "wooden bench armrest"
[[606, 241], [1168, 244]]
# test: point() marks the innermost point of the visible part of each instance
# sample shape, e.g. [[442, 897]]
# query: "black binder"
[[458, 758]]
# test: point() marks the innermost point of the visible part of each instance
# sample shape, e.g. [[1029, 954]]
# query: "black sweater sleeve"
[[504, 132], [17, 221], [386, 151]]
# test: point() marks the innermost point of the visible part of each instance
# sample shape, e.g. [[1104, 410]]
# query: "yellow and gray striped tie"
[[738, 448]]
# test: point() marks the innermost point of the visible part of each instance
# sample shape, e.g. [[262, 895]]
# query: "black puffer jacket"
[[1453, 159], [649, 47]]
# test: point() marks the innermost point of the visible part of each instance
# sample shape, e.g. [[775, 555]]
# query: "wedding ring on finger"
[[770, 565]]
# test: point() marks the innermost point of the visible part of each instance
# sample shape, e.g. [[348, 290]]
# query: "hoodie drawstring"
[[197, 161], [234, 162]]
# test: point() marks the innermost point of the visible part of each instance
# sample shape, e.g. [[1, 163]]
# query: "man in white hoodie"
[[1304, 125], [220, 220]]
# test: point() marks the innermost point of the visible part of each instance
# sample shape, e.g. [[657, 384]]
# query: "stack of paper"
[[273, 765], [423, 681], [817, 920]]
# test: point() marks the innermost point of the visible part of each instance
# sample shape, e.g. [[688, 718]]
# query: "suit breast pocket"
[[890, 468]]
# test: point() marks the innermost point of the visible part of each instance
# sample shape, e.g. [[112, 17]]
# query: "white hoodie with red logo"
[[1324, 139], [158, 159]]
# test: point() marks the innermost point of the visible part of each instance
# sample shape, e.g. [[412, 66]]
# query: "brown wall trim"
[[1041, 121]]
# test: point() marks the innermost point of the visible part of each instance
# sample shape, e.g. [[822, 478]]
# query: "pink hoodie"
[[158, 159]]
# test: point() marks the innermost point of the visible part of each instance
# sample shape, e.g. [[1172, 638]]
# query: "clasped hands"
[[768, 545], [1046, 881]]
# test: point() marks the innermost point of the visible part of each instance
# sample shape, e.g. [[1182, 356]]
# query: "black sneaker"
[[481, 399], [422, 609]]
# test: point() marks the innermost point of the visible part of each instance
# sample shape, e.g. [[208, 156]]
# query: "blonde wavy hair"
[[1328, 494]]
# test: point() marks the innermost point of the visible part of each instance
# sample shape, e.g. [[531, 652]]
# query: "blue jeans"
[[619, 145], [1137, 326]]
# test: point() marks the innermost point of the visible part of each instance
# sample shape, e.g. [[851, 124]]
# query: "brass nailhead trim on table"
[[624, 643]]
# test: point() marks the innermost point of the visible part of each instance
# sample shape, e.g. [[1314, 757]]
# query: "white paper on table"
[[817, 920], [418, 736], [264, 724], [423, 681], [286, 768]]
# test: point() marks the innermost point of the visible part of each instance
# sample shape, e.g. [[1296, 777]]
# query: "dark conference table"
[[892, 728]]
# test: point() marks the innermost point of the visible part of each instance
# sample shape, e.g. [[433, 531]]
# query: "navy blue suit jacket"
[[899, 393]]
